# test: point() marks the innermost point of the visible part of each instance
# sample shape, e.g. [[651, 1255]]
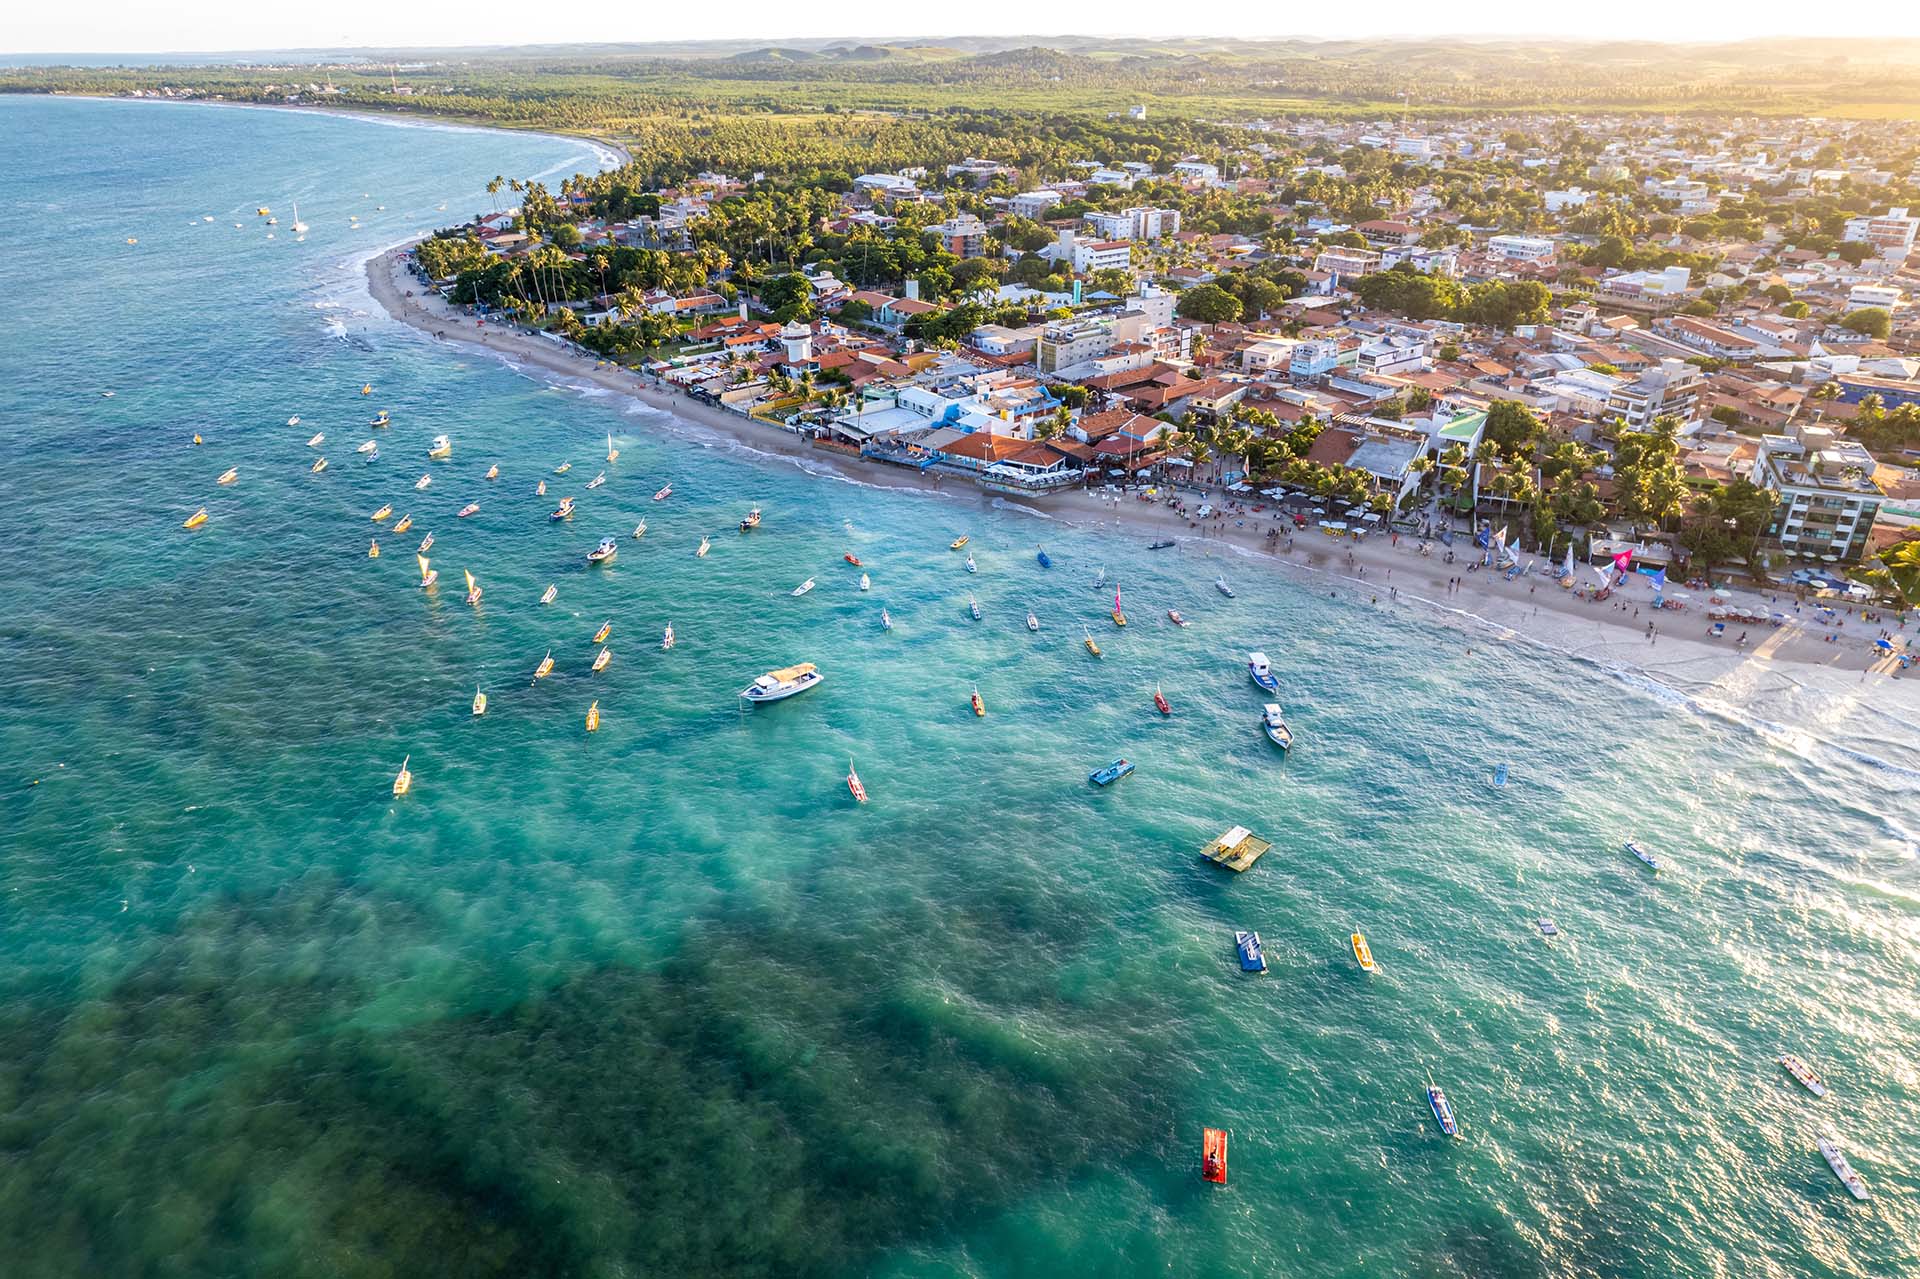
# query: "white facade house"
[[1197, 171], [1571, 198], [1394, 353]]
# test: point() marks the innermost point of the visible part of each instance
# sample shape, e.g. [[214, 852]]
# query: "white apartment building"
[[1571, 198], [1140, 223], [1828, 499], [1668, 389], [1521, 248], [1101, 255], [1882, 295], [1196, 171], [1341, 260], [1033, 204], [1891, 232]]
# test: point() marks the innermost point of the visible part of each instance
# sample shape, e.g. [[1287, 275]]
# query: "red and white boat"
[[469, 509], [854, 785], [663, 494], [1160, 701]]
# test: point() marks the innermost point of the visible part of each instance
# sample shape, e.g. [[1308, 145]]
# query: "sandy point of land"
[[1377, 572]]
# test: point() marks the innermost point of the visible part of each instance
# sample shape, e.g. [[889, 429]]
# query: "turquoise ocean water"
[[662, 1000]]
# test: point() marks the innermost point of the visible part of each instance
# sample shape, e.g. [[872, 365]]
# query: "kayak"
[[1111, 773], [1252, 960]]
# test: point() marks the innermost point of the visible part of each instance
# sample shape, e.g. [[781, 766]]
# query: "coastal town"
[[1681, 345]]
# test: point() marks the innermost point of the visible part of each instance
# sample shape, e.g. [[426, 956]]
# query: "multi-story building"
[[1892, 232], [1670, 389], [1318, 358], [1343, 261], [1196, 171], [1828, 498], [1033, 204], [1392, 354], [1135, 224], [1101, 255], [963, 235], [1521, 248]]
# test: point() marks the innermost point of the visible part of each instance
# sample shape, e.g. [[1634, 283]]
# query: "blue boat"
[[1111, 773], [1261, 672], [1251, 958], [1500, 775], [1046, 561], [1442, 1112]]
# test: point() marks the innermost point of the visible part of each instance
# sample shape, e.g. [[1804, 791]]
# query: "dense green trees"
[[1209, 304], [1498, 303], [1872, 321]]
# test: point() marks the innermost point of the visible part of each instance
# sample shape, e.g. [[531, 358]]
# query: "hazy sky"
[[141, 26]]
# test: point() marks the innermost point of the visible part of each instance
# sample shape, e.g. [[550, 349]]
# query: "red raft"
[[1213, 1155]]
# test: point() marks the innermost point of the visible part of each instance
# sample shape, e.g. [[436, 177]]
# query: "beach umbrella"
[[1883, 645]]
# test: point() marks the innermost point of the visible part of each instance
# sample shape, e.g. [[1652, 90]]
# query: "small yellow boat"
[[479, 702], [546, 666], [373, 549], [593, 717], [428, 576], [403, 781], [979, 707], [1091, 646], [195, 520], [493, 472], [231, 474], [367, 389], [958, 542], [1363, 953], [381, 514], [563, 468], [262, 211], [540, 489], [600, 636], [601, 659], [613, 454], [705, 546], [319, 465], [473, 589], [406, 522], [196, 437]]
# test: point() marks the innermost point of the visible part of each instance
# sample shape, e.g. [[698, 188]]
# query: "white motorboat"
[[804, 587], [369, 447], [597, 480], [1830, 1150], [423, 481], [973, 607], [1261, 672], [1033, 622], [603, 553], [1220, 584], [866, 583], [971, 566], [1808, 1077], [1276, 726], [783, 683], [886, 620], [442, 447]]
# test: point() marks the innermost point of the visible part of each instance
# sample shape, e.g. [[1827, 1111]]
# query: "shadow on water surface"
[[776, 1097]]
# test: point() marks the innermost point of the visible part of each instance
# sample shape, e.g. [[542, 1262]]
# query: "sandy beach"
[[1529, 609]]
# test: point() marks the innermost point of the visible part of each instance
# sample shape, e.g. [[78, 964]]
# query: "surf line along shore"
[[1376, 572]]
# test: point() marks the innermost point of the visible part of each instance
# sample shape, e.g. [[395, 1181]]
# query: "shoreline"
[[408, 119], [1612, 634]]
